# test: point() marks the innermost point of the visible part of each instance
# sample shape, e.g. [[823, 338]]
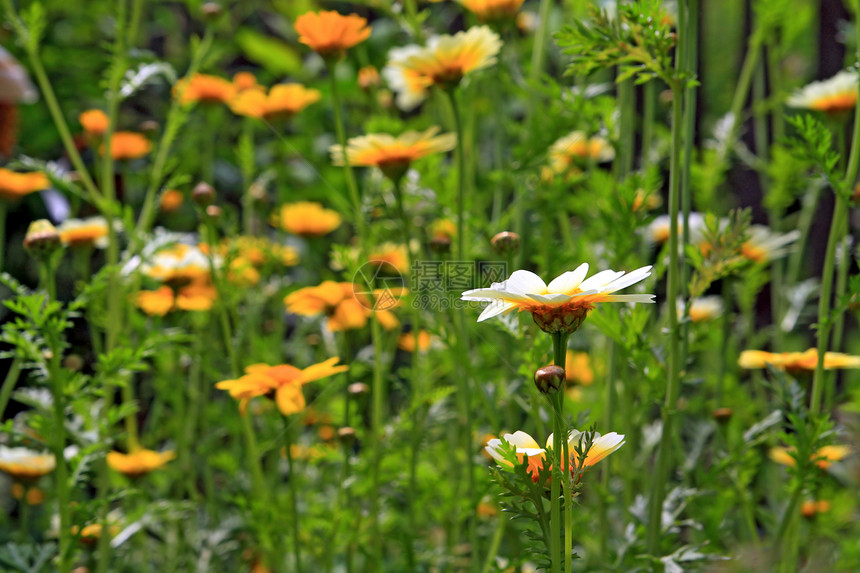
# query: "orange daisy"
[[128, 145], [492, 9], [823, 458], [282, 102], [94, 121], [307, 219], [205, 88], [84, 232], [796, 361], [139, 462], [330, 34], [14, 185]]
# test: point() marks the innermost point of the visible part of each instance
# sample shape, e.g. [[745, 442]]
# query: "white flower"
[[702, 308], [564, 302], [658, 231], [834, 95], [764, 245]]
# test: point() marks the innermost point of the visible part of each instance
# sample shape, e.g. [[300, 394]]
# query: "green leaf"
[[271, 53]]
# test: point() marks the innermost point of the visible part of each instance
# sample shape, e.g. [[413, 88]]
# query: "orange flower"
[[833, 96], [245, 81], [391, 258], [127, 145], [94, 121], [810, 507], [393, 155], [283, 102], [193, 297], [15, 185], [368, 77], [578, 368], [139, 462], [306, 218], [344, 308], [407, 341], [205, 89], [178, 265], [796, 361], [32, 495], [284, 381], [84, 232], [156, 302], [492, 9], [330, 34], [171, 200], [823, 458]]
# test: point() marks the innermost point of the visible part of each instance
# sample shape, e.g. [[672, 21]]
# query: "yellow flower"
[[443, 62], [32, 495], [329, 33], [94, 121], [25, 465], [243, 273], [284, 381], [192, 297], [492, 9], [577, 149], [796, 361], [84, 232], [139, 462], [837, 95], [90, 534], [563, 304], [178, 265], [282, 102], [343, 307], [243, 81], [307, 219], [156, 302], [578, 368], [368, 77], [391, 257], [171, 200], [15, 185], [406, 341], [443, 228], [127, 145], [823, 458], [204, 88], [393, 155]]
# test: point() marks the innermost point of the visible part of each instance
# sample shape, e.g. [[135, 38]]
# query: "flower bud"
[[506, 242], [358, 388], [722, 415], [346, 435], [73, 362], [553, 319], [368, 77], [549, 379], [203, 194], [213, 211], [149, 127], [440, 244], [42, 239], [211, 11]]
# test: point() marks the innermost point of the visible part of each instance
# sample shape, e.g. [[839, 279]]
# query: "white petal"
[[496, 308], [550, 298], [482, 294], [568, 281], [600, 280], [492, 448], [628, 279], [521, 440], [525, 282]]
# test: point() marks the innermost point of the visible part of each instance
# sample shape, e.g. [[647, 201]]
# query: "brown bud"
[[346, 436], [42, 238], [722, 415], [213, 211], [358, 388], [73, 362], [440, 245], [203, 194], [549, 378], [149, 126], [211, 11], [506, 242]]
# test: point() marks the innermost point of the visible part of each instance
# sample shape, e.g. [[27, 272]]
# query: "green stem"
[[561, 556], [540, 41], [354, 194], [461, 175], [804, 223], [294, 504], [673, 385], [494, 545], [788, 518], [248, 178], [9, 383], [260, 492], [378, 390], [649, 109]]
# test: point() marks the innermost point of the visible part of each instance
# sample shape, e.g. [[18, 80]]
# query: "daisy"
[[85, 232], [443, 62], [577, 148], [796, 361], [306, 219], [703, 308], [14, 185], [492, 9], [832, 96], [204, 88], [393, 155], [563, 304], [128, 145], [330, 34], [658, 231], [823, 458], [25, 465], [282, 102], [94, 121], [764, 245], [139, 462]]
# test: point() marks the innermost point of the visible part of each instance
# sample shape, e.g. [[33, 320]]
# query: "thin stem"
[[673, 385], [293, 486], [540, 41], [354, 194], [9, 383], [561, 557], [804, 223], [261, 492], [461, 174]]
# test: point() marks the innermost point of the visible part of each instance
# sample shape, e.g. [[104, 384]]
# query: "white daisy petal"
[[629, 298], [550, 298], [525, 282], [568, 281], [496, 308], [600, 280]]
